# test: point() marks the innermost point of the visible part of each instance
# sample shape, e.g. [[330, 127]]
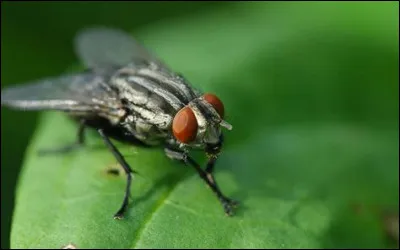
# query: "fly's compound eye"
[[216, 103], [184, 125]]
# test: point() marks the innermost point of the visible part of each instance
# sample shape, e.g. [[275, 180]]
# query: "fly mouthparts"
[[226, 125]]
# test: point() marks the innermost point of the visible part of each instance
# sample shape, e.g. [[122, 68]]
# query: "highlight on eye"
[[184, 125]]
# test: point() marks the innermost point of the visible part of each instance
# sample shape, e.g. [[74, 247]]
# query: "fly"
[[128, 94]]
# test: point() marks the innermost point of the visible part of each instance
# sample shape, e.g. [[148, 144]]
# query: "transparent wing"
[[102, 47], [76, 93]]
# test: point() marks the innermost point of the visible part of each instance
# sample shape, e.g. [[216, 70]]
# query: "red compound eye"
[[184, 125], [215, 102]]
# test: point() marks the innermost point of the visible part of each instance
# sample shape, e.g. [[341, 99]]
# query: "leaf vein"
[[156, 208]]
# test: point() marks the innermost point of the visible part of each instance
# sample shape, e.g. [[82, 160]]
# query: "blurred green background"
[[326, 75]]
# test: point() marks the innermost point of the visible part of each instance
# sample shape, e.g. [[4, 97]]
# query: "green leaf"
[[311, 90]]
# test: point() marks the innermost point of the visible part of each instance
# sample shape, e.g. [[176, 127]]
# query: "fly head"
[[198, 125]]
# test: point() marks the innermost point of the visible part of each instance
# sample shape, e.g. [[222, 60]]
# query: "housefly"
[[126, 93]]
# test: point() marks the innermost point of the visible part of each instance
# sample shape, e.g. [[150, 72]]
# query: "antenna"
[[226, 125]]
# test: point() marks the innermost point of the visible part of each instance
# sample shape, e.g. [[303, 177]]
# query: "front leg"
[[212, 152], [208, 178]]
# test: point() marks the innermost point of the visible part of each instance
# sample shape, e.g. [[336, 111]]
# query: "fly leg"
[[212, 152], [80, 141], [226, 203], [128, 171]]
